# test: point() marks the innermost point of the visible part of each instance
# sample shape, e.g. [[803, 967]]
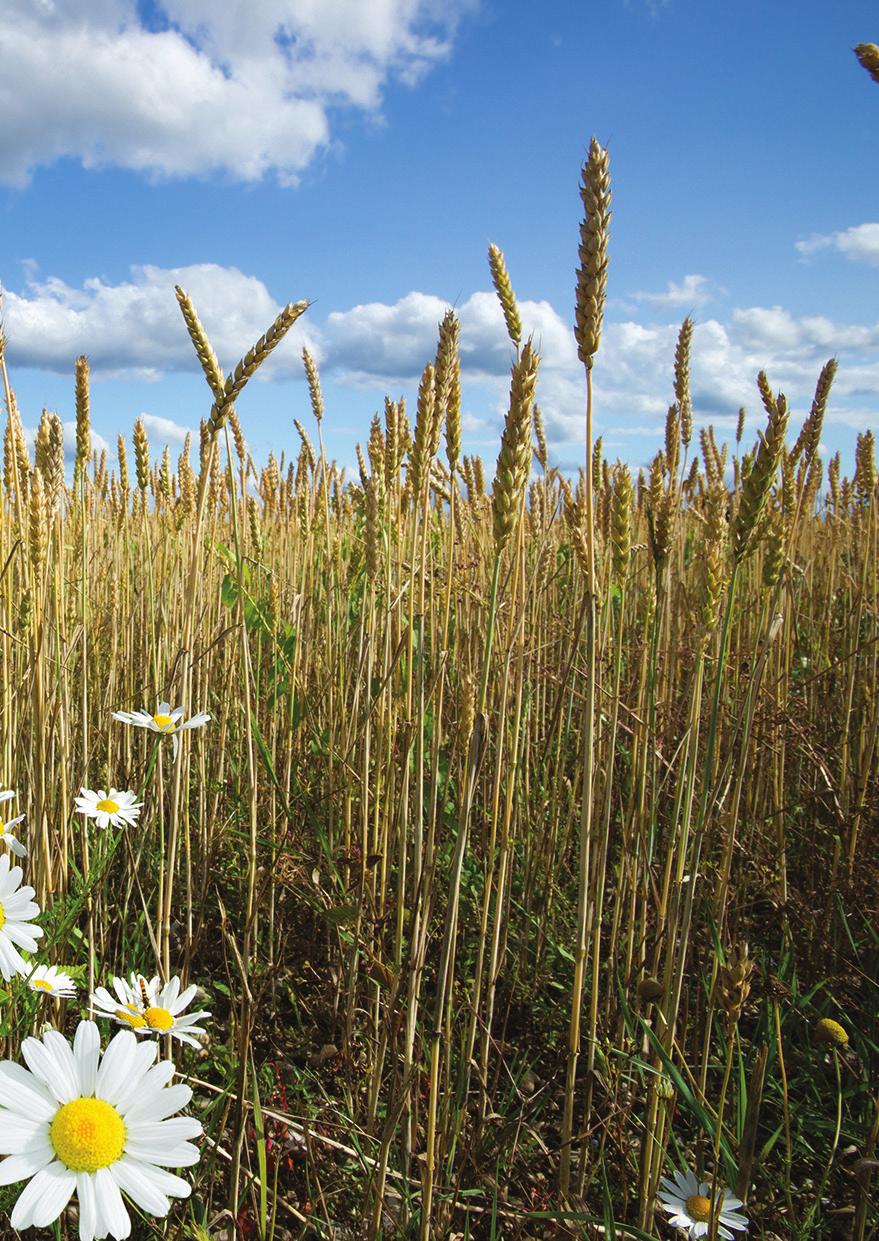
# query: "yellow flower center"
[[87, 1134], [2, 916], [131, 1018], [699, 1208], [41, 985], [158, 1019], [164, 722], [111, 807], [828, 1031]]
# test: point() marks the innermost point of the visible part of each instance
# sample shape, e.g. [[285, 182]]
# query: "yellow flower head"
[[830, 1033]]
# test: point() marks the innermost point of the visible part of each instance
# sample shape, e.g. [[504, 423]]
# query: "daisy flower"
[[16, 911], [6, 837], [113, 807], [687, 1201], [147, 1007], [166, 721], [49, 980], [73, 1122]]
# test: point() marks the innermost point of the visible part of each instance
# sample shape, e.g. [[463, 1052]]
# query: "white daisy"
[[49, 980], [166, 721], [6, 837], [147, 1007], [689, 1203], [113, 807], [16, 911], [97, 1129]]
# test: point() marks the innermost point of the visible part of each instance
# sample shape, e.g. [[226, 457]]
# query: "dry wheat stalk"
[[682, 380], [314, 389], [514, 458], [141, 456], [204, 350], [503, 287], [761, 475], [591, 290]]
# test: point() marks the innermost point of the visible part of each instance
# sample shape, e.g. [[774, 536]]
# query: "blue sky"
[[364, 155]]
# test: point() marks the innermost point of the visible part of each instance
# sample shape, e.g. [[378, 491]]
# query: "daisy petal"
[[110, 1204], [134, 1179], [115, 1065], [23, 1094], [86, 1050], [19, 1167], [44, 1198], [85, 1194], [59, 1077]]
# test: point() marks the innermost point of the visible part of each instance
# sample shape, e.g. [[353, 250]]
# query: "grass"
[[534, 829]]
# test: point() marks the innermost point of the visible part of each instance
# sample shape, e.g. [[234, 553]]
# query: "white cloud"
[[166, 430], [693, 291], [136, 326], [859, 243], [393, 342], [238, 88]]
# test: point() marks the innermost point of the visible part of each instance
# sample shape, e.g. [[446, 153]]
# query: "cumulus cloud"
[[238, 88], [136, 326], [859, 243], [165, 430], [393, 342], [694, 290]]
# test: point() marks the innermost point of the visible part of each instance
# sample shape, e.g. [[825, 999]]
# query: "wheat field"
[[529, 853]]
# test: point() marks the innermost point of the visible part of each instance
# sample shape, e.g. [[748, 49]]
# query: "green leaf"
[[229, 590], [342, 915]]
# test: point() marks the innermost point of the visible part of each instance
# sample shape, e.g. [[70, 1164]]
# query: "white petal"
[[88, 1218], [58, 1186], [19, 1167], [152, 1088], [141, 1060], [171, 991], [54, 1073], [169, 1184], [182, 1037], [25, 1094], [59, 1048], [133, 1179], [167, 1132], [734, 1218], [115, 1066], [183, 1155], [123, 991], [110, 1204], [18, 1133], [86, 1051], [44, 1198], [156, 1106], [11, 962], [23, 935], [690, 1184]]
